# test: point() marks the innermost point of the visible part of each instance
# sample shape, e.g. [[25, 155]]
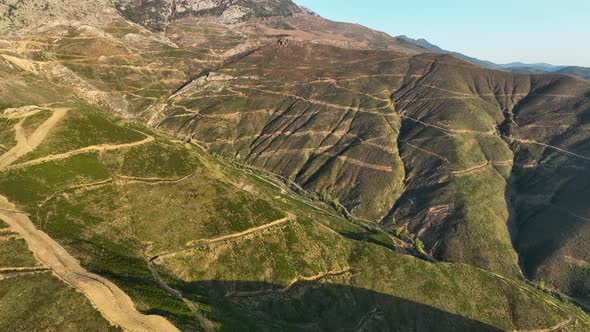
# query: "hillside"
[[207, 244], [576, 71], [427, 144], [247, 165]]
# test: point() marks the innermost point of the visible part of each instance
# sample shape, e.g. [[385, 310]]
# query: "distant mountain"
[[544, 67], [582, 72], [526, 70], [434, 48], [513, 67]]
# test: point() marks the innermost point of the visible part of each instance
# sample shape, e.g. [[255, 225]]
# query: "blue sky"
[[502, 31]]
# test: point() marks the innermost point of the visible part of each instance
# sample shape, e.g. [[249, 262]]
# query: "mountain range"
[[514, 67], [248, 165]]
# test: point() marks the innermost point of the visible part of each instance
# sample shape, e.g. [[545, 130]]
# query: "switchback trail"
[[292, 283], [93, 148], [207, 242]]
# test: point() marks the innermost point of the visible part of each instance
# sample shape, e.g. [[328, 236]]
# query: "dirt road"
[[111, 301], [206, 242], [25, 144]]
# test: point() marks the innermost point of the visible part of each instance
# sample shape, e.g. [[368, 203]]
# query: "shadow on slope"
[[547, 198], [550, 227], [310, 306]]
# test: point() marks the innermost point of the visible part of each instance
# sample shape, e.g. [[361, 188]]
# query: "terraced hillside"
[[426, 143], [125, 67], [184, 166], [216, 245]]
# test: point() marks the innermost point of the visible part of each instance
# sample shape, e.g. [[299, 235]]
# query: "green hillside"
[[251, 166], [201, 241], [35, 300]]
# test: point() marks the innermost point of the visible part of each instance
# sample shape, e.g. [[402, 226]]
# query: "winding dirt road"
[[206, 242], [112, 302], [292, 283]]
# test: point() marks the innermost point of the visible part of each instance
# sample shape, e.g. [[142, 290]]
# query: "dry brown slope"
[[421, 143]]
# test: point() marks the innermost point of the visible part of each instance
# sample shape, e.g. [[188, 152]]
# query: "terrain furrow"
[[527, 141], [559, 327], [151, 180], [83, 186], [206, 242], [450, 130], [477, 168], [313, 101], [205, 323]]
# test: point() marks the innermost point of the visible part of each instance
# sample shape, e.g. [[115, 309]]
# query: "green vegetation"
[[4, 106], [30, 186], [160, 159], [41, 302], [419, 245], [7, 135], [32, 122], [82, 128], [484, 238], [167, 199], [15, 253]]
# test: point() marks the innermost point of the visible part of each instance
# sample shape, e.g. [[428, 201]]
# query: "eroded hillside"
[[424, 143], [320, 157], [213, 245]]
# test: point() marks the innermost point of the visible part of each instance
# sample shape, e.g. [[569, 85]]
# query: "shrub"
[[419, 245]]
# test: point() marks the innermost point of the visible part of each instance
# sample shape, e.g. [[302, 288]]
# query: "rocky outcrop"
[[156, 14], [16, 15]]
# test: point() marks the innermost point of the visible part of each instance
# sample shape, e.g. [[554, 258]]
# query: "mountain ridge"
[[514, 67]]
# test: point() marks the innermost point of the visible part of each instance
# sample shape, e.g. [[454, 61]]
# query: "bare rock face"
[[156, 14], [18, 15]]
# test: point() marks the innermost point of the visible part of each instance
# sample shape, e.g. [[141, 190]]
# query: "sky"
[[502, 31]]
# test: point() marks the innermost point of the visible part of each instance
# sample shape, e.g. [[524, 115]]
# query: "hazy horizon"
[[500, 31]]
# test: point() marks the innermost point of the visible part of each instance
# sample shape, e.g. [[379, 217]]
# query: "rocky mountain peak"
[[16, 15], [156, 14]]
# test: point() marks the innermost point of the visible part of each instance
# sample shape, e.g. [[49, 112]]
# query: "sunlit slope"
[[35, 300], [209, 244], [426, 143]]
